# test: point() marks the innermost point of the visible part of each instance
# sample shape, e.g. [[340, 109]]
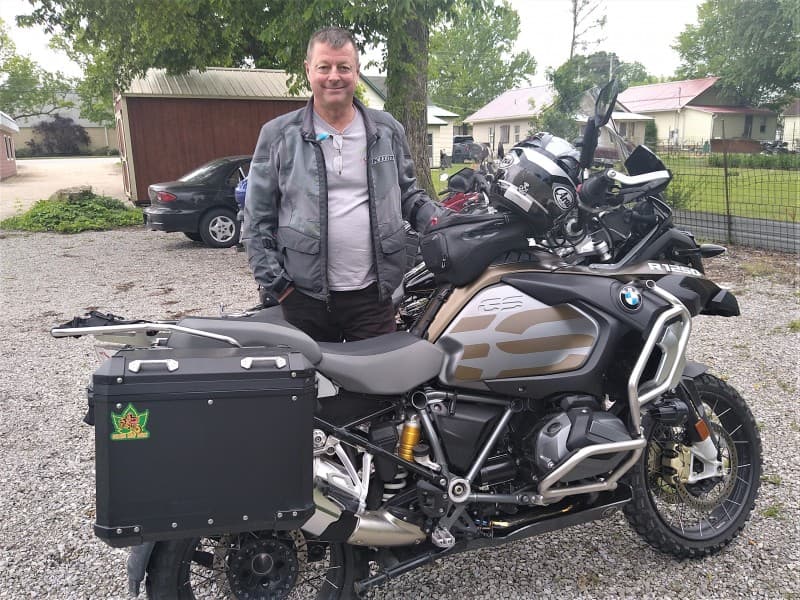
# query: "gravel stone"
[[48, 549]]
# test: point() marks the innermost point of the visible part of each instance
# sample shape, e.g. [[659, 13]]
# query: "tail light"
[[165, 196]]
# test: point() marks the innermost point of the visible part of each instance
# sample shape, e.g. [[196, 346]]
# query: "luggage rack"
[[136, 334]]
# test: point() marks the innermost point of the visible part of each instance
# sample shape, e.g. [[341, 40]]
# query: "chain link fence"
[[750, 199]]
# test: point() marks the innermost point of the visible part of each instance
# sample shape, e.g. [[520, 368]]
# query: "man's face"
[[332, 74]]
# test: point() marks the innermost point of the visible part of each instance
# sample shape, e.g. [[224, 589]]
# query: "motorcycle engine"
[[559, 434]]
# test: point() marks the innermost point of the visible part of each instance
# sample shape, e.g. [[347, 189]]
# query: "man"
[[328, 189]]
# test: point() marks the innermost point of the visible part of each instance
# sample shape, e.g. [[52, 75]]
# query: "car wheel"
[[219, 228], [193, 235]]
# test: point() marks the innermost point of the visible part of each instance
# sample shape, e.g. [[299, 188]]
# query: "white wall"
[[518, 131], [791, 132]]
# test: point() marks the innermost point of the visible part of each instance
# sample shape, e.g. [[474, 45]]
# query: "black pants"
[[350, 316]]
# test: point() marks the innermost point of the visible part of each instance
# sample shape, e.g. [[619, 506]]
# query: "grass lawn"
[[757, 193]]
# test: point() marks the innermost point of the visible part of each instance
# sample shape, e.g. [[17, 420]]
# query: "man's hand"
[[268, 299]]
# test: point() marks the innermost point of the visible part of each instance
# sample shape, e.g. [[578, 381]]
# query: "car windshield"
[[203, 172]]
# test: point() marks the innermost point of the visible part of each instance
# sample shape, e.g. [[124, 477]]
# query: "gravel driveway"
[[47, 548]]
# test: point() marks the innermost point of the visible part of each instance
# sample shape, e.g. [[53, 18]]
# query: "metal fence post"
[[725, 176]]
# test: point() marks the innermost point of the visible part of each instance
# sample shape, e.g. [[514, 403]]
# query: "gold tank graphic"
[[505, 333]]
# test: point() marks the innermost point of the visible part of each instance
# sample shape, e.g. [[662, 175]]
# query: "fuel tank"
[[506, 333], [533, 332]]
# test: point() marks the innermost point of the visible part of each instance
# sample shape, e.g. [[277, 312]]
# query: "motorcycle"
[[631, 224], [241, 459], [775, 147]]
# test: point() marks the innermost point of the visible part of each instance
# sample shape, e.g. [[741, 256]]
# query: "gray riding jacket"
[[286, 207]]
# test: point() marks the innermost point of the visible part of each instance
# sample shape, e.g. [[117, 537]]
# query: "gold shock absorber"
[[409, 438]]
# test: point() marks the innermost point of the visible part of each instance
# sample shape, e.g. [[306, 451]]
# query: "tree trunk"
[[407, 94]]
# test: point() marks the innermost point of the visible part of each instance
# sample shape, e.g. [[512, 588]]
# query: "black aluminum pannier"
[[198, 442], [459, 247]]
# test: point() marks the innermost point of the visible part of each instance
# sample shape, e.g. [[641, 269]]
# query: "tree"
[[586, 21], [60, 136], [579, 74], [753, 46], [471, 59], [26, 89], [121, 40]]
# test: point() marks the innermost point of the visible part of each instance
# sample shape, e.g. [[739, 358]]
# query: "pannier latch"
[[136, 365], [248, 361]]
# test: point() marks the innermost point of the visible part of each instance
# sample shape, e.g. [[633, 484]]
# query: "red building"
[[168, 125], [8, 155]]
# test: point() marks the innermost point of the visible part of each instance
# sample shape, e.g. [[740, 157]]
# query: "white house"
[[506, 119], [791, 124], [692, 112]]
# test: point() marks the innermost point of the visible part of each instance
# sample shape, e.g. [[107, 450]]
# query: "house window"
[[516, 134], [623, 129], [763, 127], [748, 126], [504, 129], [9, 147]]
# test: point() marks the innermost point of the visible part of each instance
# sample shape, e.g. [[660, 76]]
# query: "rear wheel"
[[263, 565], [679, 515], [219, 228]]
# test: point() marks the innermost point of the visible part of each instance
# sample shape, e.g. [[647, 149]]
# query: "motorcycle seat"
[[388, 364]]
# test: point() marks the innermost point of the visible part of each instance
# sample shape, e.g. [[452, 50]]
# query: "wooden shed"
[[168, 125]]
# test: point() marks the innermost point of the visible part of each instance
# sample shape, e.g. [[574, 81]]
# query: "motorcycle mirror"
[[589, 144], [603, 107]]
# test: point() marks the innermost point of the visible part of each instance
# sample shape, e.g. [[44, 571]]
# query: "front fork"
[[703, 443]]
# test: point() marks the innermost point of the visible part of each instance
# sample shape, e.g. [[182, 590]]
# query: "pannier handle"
[[248, 361], [172, 365]]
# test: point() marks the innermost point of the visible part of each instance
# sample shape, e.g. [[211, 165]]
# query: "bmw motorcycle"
[[241, 459]]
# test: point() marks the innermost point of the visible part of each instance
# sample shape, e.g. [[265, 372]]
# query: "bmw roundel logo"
[[630, 297]]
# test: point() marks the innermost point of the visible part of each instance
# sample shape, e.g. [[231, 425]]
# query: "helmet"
[[537, 179]]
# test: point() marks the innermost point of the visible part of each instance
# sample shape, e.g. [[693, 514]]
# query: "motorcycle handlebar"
[[593, 190]]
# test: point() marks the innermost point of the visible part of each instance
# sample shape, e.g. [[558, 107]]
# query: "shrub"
[[61, 136], [680, 192], [87, 212], [757, 161]]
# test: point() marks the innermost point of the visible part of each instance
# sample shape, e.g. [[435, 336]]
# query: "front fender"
[[138, 559], [693, 369]]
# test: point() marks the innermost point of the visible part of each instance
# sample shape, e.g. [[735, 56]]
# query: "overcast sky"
[[637, 30]]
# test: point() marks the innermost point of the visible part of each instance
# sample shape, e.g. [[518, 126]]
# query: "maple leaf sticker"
[[130, 424]]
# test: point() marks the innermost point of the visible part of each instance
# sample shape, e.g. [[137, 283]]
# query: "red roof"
[[514, 103], [672, 95]]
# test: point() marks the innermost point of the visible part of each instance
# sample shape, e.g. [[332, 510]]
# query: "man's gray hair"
[[335, 37]]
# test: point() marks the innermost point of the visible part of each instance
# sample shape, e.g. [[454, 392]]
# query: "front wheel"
[[219, 228], [261, 565], [680, 513]]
